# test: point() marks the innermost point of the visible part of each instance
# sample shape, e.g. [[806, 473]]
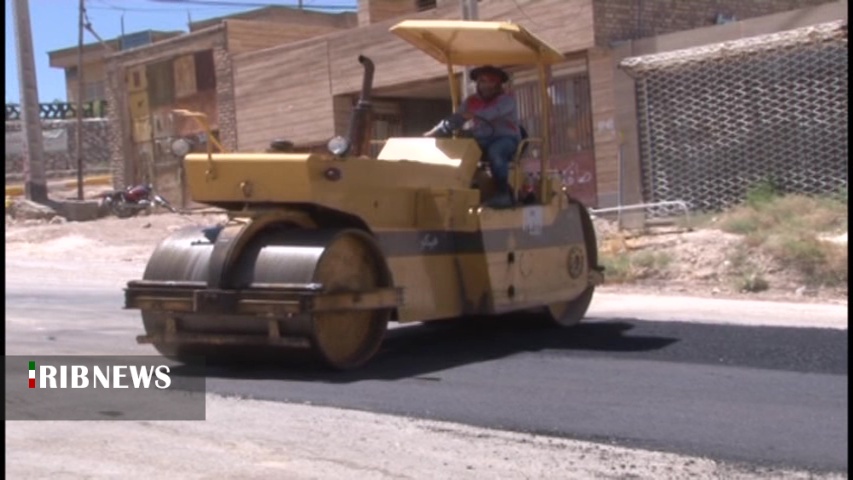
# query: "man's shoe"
[[501, 200]]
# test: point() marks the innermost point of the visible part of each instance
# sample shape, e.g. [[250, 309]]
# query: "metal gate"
[[571, 148], [718, 119]]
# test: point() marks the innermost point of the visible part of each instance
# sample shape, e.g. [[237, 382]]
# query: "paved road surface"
[[762, 395]]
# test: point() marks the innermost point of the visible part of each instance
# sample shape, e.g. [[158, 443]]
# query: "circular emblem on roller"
[[576, 262], [246, 188]]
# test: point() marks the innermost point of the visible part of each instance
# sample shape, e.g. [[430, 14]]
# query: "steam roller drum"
[[339, 260], [183, 256]]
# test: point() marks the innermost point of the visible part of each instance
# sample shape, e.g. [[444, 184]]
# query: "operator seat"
[[482, 178]]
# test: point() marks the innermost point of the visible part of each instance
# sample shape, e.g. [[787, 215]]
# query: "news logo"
[[135, 388], [96, 376]]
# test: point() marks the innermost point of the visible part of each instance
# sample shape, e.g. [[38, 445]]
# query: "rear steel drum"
[[339, 260]]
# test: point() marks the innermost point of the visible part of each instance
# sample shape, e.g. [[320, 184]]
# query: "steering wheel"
[[445, 129]]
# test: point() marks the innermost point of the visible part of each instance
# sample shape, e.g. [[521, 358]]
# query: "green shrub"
[[762, 192]]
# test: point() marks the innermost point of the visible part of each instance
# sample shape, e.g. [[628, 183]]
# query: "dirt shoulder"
[[674, 262], [709, 262], [110, 238], [245, 439]]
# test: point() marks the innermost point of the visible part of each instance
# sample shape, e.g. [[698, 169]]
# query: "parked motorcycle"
[[133, 200]]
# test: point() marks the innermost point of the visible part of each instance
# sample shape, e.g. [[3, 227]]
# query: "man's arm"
[[504, 106], [463, 108]]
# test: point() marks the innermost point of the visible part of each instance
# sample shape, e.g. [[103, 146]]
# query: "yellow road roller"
[[322, 250]]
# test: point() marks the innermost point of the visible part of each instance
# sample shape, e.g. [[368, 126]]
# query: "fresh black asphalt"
[[764, 396]]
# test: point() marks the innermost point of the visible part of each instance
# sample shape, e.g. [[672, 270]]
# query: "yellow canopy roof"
[[466, 42]]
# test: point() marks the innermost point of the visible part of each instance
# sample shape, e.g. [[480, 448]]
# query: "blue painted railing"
[[60, 110]]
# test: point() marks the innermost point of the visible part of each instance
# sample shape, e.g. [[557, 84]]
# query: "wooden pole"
[[35, 185]]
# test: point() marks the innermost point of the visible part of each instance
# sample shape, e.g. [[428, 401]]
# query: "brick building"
[[194, 72], [95, 60], [295, 76]]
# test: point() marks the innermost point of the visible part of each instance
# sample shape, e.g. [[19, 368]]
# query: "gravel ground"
[[249, 439], [244, 438]]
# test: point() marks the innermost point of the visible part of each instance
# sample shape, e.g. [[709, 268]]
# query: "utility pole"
[[80, 93], [469, 12], [35, 185]]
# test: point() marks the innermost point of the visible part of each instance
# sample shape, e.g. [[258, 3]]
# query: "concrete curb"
[[18, 190]]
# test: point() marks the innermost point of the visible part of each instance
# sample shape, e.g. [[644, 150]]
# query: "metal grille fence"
[[716, 120]]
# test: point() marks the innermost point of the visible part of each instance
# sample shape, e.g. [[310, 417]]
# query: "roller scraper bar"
[[264, 300]]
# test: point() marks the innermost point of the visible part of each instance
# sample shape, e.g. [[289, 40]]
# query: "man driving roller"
[[494, 113]]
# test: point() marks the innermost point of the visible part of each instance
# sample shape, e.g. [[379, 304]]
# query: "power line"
[[209, 8], [217, 5], [226, 3], [109, 6], [88, 25]]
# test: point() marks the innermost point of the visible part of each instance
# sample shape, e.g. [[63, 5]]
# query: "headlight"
[[338, 145], [181, 147]]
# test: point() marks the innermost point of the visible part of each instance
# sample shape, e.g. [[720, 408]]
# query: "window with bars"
[[94, 91], [423, 5], [571, 113]]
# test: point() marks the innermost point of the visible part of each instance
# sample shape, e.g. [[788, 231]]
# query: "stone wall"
[[60, 147], [225, 98]]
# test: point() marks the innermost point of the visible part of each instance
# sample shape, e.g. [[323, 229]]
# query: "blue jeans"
[[500, 152]]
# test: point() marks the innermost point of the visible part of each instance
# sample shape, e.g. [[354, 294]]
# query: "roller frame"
[[263, 300], [268, 303]]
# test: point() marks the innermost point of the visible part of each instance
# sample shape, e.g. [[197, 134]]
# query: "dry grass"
[[627, 267], [780, 242], [788, 229], [746, 274]]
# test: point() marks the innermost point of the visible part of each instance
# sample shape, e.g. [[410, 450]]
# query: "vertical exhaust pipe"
[[359, 133]]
